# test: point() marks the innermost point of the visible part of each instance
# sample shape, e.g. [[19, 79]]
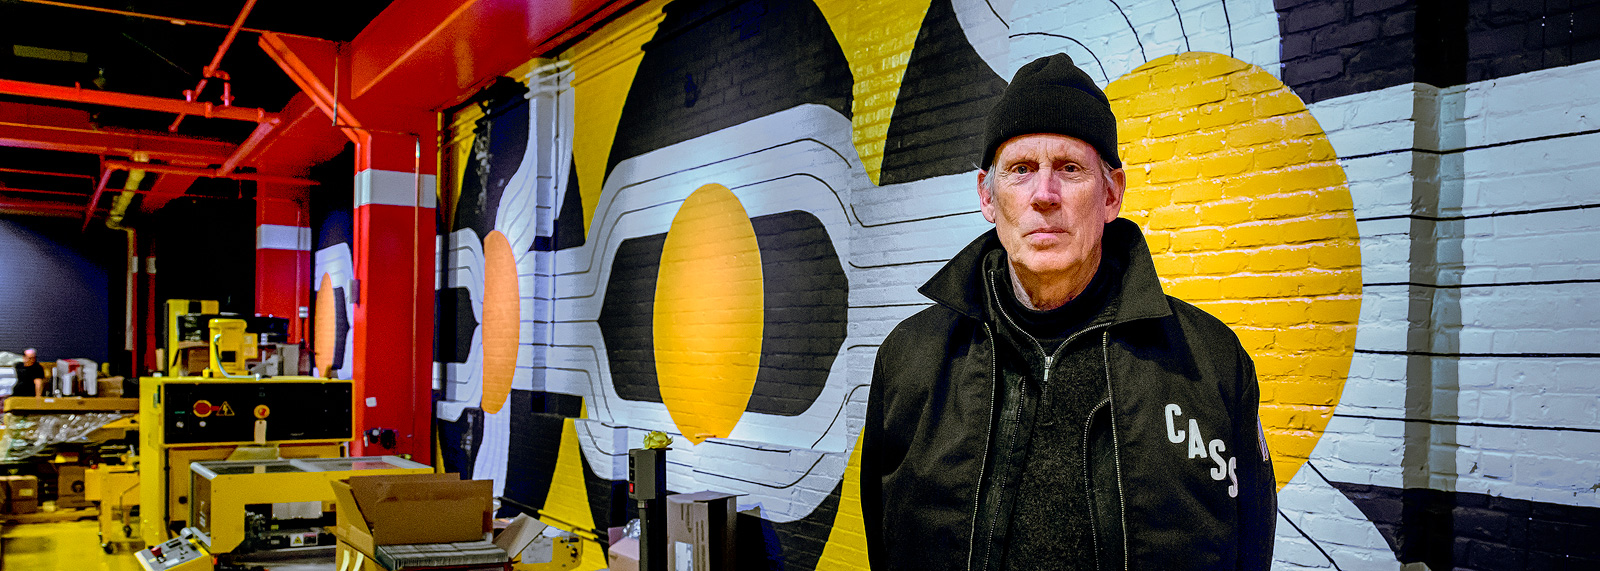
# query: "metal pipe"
[[88, 213], [249, 145], [169, 19], [208, 173], [131, 101], [47, 173], [211, 70], [9, 189]]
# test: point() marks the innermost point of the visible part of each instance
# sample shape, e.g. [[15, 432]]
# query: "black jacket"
[[1176, 462]]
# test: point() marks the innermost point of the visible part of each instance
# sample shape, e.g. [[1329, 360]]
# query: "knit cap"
[[1051, 95]]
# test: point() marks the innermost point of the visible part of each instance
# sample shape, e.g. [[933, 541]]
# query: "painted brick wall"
[[1390, 201]]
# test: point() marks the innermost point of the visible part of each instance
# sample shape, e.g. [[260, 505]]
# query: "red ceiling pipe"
[[9, 189], [46, 173], [207, 173], [39, 208], [131, 101], [168, 19], [249, 145], [94, 199], [212, 70]]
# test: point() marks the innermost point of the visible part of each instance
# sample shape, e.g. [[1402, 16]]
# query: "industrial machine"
[[180, 553], [203, 341], [262, 505], [116, 489], [189, 419]]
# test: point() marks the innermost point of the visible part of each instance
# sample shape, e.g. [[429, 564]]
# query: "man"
[[1054, 409], [30, 375]]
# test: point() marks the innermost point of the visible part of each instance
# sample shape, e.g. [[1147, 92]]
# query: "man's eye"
[[1071, 168], [1020, 169]]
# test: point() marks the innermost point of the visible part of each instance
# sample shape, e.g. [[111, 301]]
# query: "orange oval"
[[708, 320], [502, 320], [325, 327]]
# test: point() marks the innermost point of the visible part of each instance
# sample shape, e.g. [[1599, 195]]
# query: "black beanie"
[[1051, 95]]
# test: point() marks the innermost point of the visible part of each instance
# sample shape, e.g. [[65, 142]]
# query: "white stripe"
[[394, 188], [283, 237]]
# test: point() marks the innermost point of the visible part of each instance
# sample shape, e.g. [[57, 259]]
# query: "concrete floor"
[[64, 546]]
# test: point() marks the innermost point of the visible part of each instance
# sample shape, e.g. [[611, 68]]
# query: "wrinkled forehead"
[[1051, 147]]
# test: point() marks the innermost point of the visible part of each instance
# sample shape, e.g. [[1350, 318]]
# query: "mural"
[[704, 217]]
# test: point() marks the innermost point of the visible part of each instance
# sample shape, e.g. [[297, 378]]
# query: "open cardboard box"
[[412, 508]]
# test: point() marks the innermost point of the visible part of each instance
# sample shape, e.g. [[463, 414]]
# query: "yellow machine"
[[116, 490], [261, 505], [180, 553], [201, 341], [191, 419]]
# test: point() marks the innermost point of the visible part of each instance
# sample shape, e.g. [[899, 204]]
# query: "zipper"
[[994, 379], [1086, 461], [1049, 362], [1116, 446]]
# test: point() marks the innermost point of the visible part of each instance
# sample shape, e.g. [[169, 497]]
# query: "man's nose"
[[1046, 190]]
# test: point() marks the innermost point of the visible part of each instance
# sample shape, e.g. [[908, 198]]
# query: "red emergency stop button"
[[262, 411], [202, 408]]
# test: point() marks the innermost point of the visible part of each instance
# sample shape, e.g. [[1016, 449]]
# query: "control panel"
[[217, 412], [176, 554]]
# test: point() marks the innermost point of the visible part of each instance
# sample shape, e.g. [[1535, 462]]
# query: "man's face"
[[1050, 204], [29, 357]]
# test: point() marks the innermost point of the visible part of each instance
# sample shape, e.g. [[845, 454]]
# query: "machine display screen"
[[227, 412]]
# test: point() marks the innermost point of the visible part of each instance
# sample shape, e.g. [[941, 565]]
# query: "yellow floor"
[[65, 546]]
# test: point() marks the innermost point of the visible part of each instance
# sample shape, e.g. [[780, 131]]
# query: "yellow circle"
[[325, 326], [502, 320], [1249, 217], [262, 411], [708, 317]]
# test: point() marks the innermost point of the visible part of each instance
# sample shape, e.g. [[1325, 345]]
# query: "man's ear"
[[1119, 185], [985, 198]]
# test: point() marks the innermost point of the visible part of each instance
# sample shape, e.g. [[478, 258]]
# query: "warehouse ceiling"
[[53, 147]]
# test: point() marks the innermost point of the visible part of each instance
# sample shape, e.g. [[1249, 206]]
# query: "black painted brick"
[[1363, 7], [1313, 69], [1313, 15], [1341, 35]]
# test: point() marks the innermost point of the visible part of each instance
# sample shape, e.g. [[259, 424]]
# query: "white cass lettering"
[[1173, 434], [1197, 443], [1233, 474], [1217, 448]]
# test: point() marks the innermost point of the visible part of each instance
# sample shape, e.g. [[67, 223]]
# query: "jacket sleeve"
[[872, 470], [1258, 488]]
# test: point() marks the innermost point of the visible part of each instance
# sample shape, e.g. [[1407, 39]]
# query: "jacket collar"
[[959, 285]]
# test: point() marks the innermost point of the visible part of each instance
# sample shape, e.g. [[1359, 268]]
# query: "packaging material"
[[624, 554], [70, 487], [8, 379], [412, 508], [22, 494], [110, 387], [701, 531], [75, 377], [27, 435], [520, 535], [347, 558]]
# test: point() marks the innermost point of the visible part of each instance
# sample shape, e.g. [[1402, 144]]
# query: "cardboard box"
[[348, 558], [110, 387], [22, 494], [412, 508], [623, 555], [701, 531], [71, 487]]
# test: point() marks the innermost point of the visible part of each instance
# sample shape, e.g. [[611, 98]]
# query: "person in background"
[[30, 376]]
